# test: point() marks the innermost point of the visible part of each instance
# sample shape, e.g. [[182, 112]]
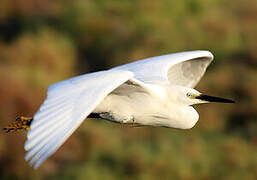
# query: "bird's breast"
[[147, 109]]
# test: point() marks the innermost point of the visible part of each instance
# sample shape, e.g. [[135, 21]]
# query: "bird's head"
[[197, 98], [189, 96]]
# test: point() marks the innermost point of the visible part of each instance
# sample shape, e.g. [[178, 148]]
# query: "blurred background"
[[44, 41]]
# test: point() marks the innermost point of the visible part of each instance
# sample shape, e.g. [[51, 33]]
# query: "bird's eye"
[[189, 94]]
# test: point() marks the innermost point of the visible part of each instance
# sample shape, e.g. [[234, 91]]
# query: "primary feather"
[[76, 98], [184, 68]]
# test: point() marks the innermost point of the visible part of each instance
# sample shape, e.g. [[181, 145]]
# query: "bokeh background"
[[44, 41]]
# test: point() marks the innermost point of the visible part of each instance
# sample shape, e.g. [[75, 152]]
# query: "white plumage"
[[155, 91]]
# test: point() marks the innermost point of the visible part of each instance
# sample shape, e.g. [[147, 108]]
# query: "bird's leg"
[[20, 124]]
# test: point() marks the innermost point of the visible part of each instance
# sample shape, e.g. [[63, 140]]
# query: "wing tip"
[[204, 53], [194, 54]]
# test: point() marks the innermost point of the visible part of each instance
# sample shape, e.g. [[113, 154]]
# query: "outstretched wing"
[[67, 104], [184, 68]]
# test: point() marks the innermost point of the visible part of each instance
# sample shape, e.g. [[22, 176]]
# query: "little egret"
[[156, 91]]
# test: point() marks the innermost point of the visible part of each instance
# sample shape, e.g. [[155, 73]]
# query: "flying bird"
[[156, 91]]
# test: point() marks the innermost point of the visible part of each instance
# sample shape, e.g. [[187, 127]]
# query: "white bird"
[[156, 91]]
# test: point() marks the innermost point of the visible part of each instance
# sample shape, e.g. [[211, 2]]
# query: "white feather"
[[77, 98], [159, 68]]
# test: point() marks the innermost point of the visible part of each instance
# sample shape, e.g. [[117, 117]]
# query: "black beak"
[[213, 99]]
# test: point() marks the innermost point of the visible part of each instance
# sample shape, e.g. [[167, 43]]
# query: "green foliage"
[[42, 42]]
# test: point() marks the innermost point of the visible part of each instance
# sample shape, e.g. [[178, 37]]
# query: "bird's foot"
[[20, 124]]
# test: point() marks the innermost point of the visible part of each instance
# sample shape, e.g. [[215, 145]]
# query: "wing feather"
[[67, 104], [184, 68]]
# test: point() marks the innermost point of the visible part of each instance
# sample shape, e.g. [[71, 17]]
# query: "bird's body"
[[155, 91], [130, 104]]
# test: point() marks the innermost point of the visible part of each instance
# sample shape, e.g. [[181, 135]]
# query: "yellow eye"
[[189, 94]]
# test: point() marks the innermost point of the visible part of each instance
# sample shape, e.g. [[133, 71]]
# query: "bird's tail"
[[20, 124]]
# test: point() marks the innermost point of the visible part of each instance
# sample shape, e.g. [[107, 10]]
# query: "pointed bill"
[[213, 99]]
